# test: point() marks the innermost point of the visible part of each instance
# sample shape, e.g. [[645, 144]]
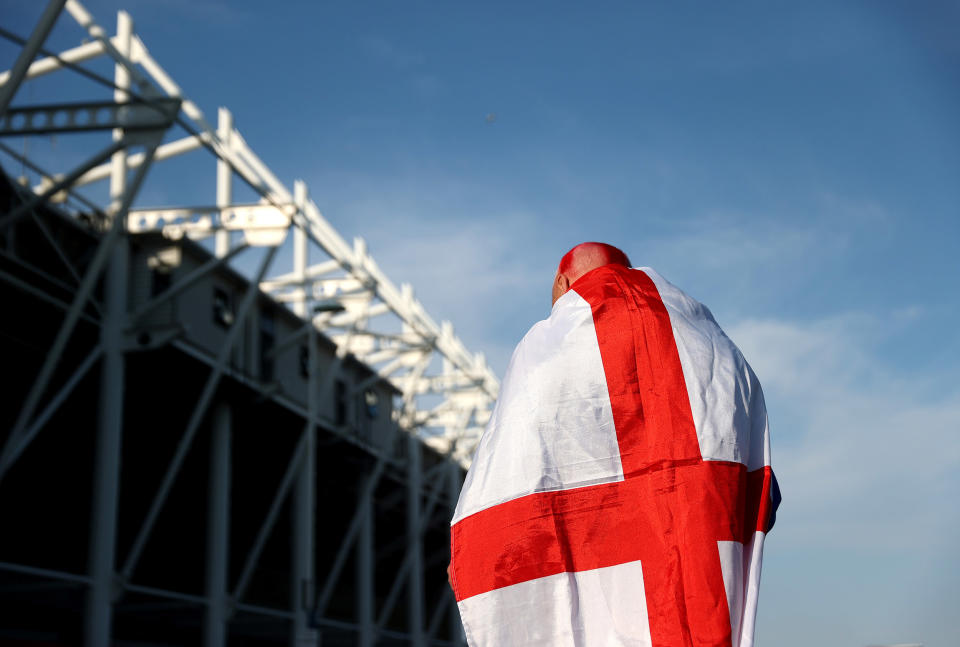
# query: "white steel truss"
[[335, 287], [447, 391]]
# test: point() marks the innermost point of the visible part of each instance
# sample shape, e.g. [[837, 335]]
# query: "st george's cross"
[[622, 490]]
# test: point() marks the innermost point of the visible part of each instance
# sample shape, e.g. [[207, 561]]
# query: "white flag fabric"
[[622, 489]]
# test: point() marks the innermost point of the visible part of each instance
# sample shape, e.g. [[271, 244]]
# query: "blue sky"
[[796, 167]]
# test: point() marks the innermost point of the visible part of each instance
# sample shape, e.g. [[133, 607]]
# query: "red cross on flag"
[[622, 490]]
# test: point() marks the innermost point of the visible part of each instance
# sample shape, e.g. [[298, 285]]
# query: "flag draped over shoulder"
[[622, 490]]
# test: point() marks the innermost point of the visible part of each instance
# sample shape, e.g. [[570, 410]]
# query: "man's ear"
[[560, 286]]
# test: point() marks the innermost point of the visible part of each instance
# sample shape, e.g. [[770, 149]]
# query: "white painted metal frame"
[[347, 273], [447, 393]]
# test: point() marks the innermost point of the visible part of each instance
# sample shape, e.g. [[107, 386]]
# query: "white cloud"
[[745, 246], [732, 243], [866, 457], [467, 272], [472, 255]]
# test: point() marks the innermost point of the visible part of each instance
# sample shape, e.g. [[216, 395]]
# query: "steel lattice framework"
[[346, 295], [446, 393]]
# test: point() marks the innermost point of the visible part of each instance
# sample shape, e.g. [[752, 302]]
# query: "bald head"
[[580, 260]]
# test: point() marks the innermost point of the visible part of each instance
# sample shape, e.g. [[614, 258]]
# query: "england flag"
[[622, 490]]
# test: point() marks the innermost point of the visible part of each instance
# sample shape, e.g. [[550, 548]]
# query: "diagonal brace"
[[27, 436], [194, 423], [324, 598], [186, 282], [254, 555], [83, 293], [29, 52]]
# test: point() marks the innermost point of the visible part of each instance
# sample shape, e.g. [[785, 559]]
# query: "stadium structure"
[[220, 424]]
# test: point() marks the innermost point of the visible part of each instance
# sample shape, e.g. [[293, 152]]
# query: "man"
[[622, 490]]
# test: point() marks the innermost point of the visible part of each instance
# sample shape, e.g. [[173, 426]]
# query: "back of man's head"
[[589, 256], [580, 260]]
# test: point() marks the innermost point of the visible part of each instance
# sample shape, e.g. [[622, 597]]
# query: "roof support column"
[[106, 475], [218, 529], [366, 623], [414, 542], [302, 571]]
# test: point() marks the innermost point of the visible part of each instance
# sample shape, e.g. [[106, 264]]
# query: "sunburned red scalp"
[[587, 256], [580, 260]]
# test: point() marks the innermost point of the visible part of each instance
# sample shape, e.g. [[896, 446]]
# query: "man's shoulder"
[[569, 312], [677, 301]]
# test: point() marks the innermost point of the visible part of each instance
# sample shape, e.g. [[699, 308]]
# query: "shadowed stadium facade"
[[220, 423]]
